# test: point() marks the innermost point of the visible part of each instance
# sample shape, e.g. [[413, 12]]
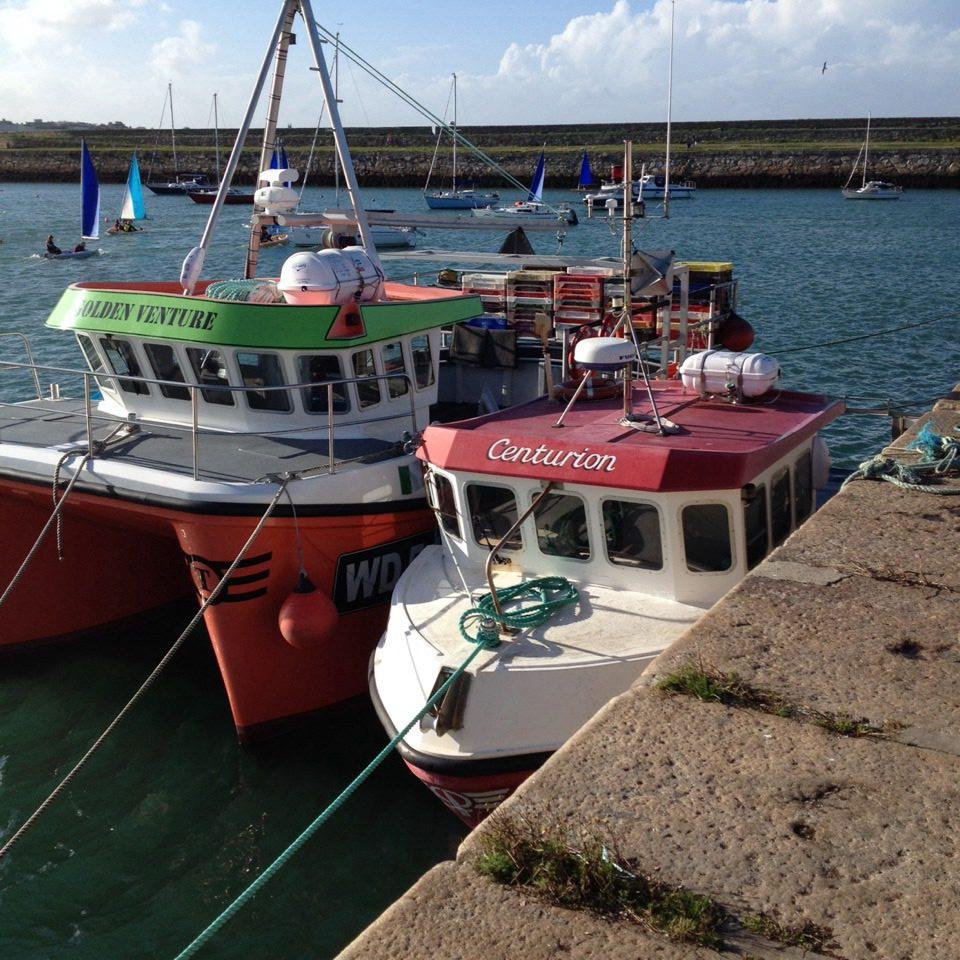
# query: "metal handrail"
[[195, 388], [33, 366]]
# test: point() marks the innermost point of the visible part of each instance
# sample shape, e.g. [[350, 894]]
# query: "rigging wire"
[[424, 111], [866, 336], [151, 678]]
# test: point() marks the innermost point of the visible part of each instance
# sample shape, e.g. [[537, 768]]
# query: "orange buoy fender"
[[308, 617], [735, 333]]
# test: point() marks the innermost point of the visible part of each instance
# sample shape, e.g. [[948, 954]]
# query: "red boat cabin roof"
[[720, 446]]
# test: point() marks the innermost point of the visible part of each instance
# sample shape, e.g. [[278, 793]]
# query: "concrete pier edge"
[[856, 614]]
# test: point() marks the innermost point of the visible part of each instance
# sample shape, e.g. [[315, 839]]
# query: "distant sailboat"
[[533, 207], [456, 198], [182, 182], [869, 189], [133, 207], [206, 194], [90, 196], [89, 212], [585, 180]]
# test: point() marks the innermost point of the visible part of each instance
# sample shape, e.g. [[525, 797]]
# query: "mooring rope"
[[167, 657], [54, 518], [487, 640], [941, 456]]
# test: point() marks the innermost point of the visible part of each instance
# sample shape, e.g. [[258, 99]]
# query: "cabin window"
[[446, 505], [493, 511], [123, 360], [562, 527], [393, 362], [368, 393], [780, 507], [319, 370], [755, 523], [632, 534], [262, 370], [210, 369], [706, 537], [422, 361], [165, 366], [803, 487], [93, 359]]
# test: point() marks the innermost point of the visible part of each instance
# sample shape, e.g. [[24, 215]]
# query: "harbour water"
[[172, 819]]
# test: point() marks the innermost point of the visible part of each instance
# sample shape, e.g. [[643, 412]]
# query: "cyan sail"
[[133, 207], [90, 196], [536, 185]]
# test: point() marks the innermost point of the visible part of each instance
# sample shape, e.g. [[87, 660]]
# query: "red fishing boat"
[[632, 515]]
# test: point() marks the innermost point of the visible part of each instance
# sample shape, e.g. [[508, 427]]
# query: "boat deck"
[[46, 429]]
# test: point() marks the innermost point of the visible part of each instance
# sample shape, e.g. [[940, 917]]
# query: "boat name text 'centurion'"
[[503, 449]]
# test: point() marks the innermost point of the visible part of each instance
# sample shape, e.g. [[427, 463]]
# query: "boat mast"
[[216, 138], [454, 132], [343, 151], [193, 262], [336, 96], [173, 131], [666, 167], [270, 129], [866, 152]]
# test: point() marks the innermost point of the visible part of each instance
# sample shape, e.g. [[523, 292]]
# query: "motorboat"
[[629, 514]]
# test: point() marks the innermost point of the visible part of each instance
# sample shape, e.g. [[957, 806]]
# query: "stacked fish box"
[[577, 298], [492, 290], [529, 297]]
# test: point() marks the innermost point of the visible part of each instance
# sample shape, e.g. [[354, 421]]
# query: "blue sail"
[[133, 207], [586, 175], [278, 159], [536, 185], [90, 194]]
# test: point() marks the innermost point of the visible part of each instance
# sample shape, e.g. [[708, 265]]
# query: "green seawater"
[[172, 818]]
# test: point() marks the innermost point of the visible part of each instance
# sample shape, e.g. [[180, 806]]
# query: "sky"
[[517, 61]]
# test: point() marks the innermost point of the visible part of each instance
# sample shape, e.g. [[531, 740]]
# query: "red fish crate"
[[578, 292]]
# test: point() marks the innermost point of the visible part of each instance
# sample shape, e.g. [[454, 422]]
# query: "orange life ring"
[[597, 388]]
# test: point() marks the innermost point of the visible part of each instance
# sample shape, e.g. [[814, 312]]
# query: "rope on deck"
[[549, 593], [167, 657]]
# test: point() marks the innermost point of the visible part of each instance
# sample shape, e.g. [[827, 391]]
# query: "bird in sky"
[[823, 69]]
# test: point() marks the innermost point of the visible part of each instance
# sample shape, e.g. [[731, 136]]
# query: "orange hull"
[[121, 559]]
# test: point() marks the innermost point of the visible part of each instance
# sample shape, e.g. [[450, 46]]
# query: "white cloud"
[[179, 55], [733, 59], [47, 23]]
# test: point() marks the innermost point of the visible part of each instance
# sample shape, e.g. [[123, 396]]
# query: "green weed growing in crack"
[[583, 874], [734, 691]]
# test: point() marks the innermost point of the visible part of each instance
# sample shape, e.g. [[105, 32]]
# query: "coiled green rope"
[[549, 594]]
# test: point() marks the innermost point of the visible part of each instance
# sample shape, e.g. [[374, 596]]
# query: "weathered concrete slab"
[[886, 655], [766, 814], [453, 914]]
